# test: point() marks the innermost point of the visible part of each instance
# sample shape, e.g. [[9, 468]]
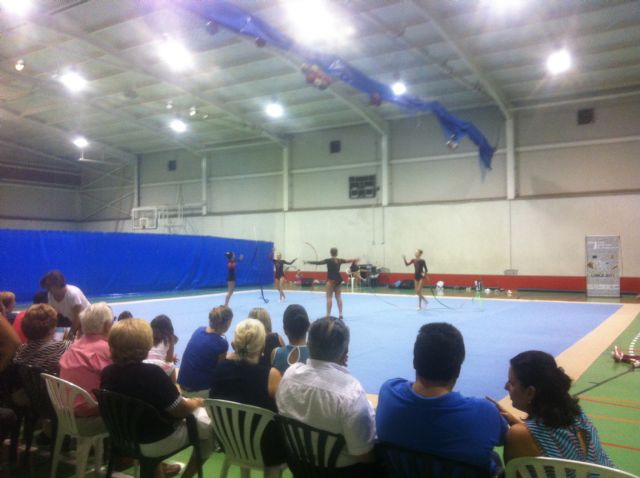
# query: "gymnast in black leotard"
[[231, 274], [334, 279], [420, 273], [278, 264]]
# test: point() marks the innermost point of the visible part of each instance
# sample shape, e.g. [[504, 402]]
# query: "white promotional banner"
[[603, 266]]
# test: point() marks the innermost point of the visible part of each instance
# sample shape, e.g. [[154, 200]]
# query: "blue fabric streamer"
[[245, 23]]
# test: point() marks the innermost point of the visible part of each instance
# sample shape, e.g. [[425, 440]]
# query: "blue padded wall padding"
[[106, 263]]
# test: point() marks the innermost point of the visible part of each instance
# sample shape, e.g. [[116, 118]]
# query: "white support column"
[[384, 180], [136, 180], [511, 157], [285, 176], [204, 184]]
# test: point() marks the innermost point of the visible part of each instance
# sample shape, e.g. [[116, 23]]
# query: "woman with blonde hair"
[[207, 347], [130, 341], [272, 340], [244, 380]]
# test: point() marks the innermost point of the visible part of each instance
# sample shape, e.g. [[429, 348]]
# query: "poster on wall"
[[603, 266]]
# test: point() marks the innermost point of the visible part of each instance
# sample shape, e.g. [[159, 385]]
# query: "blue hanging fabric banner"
[[245, 23]]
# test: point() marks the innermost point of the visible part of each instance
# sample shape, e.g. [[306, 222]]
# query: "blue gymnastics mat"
[[384, 327]]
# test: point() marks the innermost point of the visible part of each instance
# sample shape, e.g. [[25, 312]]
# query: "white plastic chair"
[[63, 397], [543, 467], [239, 429]]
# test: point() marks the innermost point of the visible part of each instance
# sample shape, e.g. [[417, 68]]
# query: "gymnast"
[[334, 279], [231, 274], [619, 356], [420, 274], [279, 264]]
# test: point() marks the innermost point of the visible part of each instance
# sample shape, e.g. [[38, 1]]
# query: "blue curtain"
[[117, 263]]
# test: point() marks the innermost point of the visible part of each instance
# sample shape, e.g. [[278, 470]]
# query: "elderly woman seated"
[[245, 380], [84, 360], [41, 350], [130, 342]]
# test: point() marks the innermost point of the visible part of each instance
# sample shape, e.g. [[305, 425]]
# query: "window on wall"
[[362, 187]]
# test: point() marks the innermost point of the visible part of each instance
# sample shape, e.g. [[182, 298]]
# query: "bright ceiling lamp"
[[19, 66], [175, 54], [274, 110], [73, 81], [399, 88], [559, 61], [80, 142], [17, 7], [178, 126], [315, 23]]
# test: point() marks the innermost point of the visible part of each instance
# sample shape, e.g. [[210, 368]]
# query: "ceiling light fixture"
[[175, 54], [73, 81], [17, 7], [192, 111], [80, 142], [169, 105], [274, 110], [178, 126], [399, 88], [315, 22], [20, 65], [559, 61]]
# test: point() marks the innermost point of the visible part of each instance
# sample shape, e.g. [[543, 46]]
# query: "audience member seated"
[[85, 359], [205, 349], [124, 315], [272, 340], [39, 298], [68, 300], [322, 394], [428, 416], [9, 343], [130, 341], [41, 350], [296, 325], [556, 426], [162, 353], [8, 300], [245, 380]]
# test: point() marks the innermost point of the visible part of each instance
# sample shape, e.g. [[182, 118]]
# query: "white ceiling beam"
[[66, 135], [133, 65], [96, 105], [440, 64], [427, 11], [373, 118], [37, 152]]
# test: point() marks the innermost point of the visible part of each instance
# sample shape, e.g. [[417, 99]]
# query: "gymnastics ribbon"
[[245, 23], [314, 251]]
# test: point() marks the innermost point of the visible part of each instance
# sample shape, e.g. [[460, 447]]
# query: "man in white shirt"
[[322, 394], [68, 300]]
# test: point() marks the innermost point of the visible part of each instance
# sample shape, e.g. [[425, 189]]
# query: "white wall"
[[22, 201], [571, 180]]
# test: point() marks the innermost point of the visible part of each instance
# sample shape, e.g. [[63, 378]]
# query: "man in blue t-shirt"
[[428, 416]]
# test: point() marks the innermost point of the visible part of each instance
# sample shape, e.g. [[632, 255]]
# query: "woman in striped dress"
[[556, 426]]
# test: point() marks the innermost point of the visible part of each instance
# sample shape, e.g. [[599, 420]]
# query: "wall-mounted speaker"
[[171, 165], [335, 146], [586, 116]]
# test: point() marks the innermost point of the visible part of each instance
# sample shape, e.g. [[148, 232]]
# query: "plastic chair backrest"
[[239, 429], [543, 467], [63, 398], [403, 463], [311, 452], [33, 384], [123, 417]]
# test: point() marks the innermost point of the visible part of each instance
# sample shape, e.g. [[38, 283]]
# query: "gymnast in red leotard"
[[420, 274]]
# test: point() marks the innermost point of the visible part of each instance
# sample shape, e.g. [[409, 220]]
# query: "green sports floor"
[[613, 406]]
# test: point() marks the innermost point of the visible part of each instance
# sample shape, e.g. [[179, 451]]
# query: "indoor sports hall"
[[320, 238]]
